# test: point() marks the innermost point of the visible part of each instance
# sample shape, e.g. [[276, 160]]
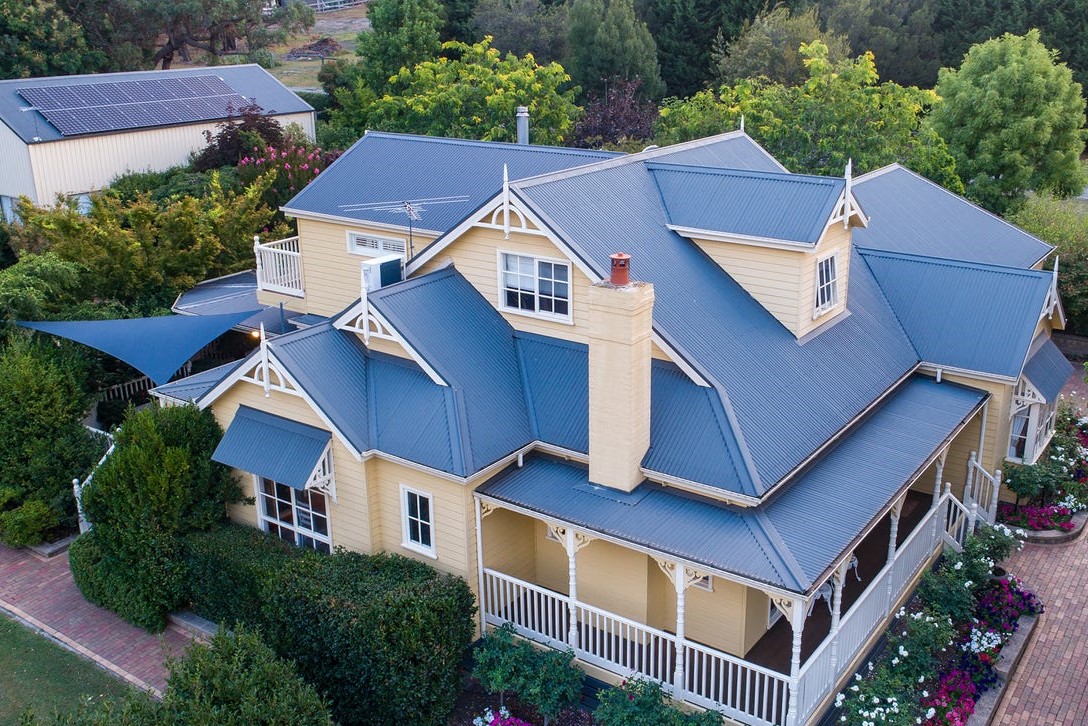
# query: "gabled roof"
[[761, 204], [194, 387], [443, 179], [939, 301], [459, 334], [792, 542], [250, 80], [756, 365], [908, 213], [271, 446]]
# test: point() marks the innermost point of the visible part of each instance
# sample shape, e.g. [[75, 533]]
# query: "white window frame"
[[536, 312], [405, 518], [267, 522], [1040, 429], [831, 285], [383, 245]]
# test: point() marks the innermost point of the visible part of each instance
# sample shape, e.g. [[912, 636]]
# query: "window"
[[299, 517], [827, 287], [1030, 432], [1018, 435], [418, 511], [535, 285], [372, 246]]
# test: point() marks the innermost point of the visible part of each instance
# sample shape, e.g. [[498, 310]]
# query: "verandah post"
[[572, 589], [797, 623], [838, 579], [679, 580]]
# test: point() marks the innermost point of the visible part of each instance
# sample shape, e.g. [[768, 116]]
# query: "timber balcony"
[[790, 673], [279, 266]]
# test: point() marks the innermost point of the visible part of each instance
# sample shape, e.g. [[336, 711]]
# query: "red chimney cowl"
[[621, 269]]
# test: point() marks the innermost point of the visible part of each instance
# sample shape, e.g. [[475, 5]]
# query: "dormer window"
[[534, 285], [827, 285], [372, 245]]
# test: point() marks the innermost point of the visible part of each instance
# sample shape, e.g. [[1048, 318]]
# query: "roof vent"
[[621, 269], [523, 124]]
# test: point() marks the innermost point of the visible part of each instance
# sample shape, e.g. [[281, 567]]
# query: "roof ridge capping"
[[949, 262], [733, 171], [650, 152], [569, 150]]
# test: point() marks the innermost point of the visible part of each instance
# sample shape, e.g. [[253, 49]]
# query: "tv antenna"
[[413, 209]]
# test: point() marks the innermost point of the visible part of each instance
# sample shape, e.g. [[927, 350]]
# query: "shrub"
[[295, 166], [237, 680], [639, 702], [43, 445], [547, 679], [235, 136], [230, 570], [159, 484], [381, 636]]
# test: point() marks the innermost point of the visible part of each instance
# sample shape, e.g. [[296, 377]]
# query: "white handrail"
[[279, 266]]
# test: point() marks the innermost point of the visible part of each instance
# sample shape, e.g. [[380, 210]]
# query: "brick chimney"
[[620, 337]]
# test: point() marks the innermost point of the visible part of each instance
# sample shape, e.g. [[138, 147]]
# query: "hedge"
[[380, 636]]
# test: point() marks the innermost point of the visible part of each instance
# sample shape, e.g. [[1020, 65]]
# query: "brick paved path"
[[41, 593], [1050, 687]]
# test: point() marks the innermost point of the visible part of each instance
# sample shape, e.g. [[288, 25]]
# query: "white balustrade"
[[279, 266]]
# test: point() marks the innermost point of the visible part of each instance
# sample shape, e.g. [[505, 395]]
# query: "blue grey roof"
[[908, 213], [234, 293], [770, 205], [556, 375], [755, 364], [1048, 370], [445, 179], [733, 150], [251, 81], [193, 387], [937, 300], [788, 543], [271, 446], [461, 336]]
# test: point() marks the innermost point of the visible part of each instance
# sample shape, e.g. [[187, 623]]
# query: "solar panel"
[[96, 107]]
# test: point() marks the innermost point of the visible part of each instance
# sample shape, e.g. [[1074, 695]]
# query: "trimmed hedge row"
[[380, 636]]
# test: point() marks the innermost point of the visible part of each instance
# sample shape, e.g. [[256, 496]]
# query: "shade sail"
[[273, 447], [157, 347]]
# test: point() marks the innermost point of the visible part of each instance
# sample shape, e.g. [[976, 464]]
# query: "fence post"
[[972, 518], [77, 491]]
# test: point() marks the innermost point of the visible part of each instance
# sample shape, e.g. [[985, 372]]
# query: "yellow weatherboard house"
[[687, 413]]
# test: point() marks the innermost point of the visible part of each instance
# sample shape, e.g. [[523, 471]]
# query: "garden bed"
[[986, 706]]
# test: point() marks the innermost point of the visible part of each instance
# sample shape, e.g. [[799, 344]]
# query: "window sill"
[[419, 550], [561, 319]]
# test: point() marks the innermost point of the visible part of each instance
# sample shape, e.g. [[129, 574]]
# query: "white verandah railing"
[[713, 679], [279, 266], [982, 487]]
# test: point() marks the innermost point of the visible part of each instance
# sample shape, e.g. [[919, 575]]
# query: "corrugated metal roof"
[[770, 205], [962, 314], [786, 399], [733, 150], [1048, 370], [556, 376], [449, 323], [412, 415], [815, 519], [270, 446], [193, 387], [250, 80], [445, 178], [908, 213], [234, 293]]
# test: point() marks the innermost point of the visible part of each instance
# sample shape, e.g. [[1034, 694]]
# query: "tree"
[[136, 32], [403, 33], [477, 95], [1064, 224], [39, 287], [43, 444], [898, 32], [459, 23], [609, 42], [768, 47], [619, 118], [38, 39], [1013, 118], [524, 26], [841, 112], [684, 62]]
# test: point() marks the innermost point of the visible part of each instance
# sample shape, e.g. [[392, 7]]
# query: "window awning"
[[1048, 370], [157, 347], [270, 446]]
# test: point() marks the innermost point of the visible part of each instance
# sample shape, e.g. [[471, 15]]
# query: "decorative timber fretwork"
[[321, 478], [690, 574], [267, 372], [846, 206], [560, 534], [784, 605], [368, 325], [486, 508], [1023, 396]]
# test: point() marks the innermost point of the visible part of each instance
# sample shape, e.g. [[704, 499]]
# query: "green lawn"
[[37, 673]]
